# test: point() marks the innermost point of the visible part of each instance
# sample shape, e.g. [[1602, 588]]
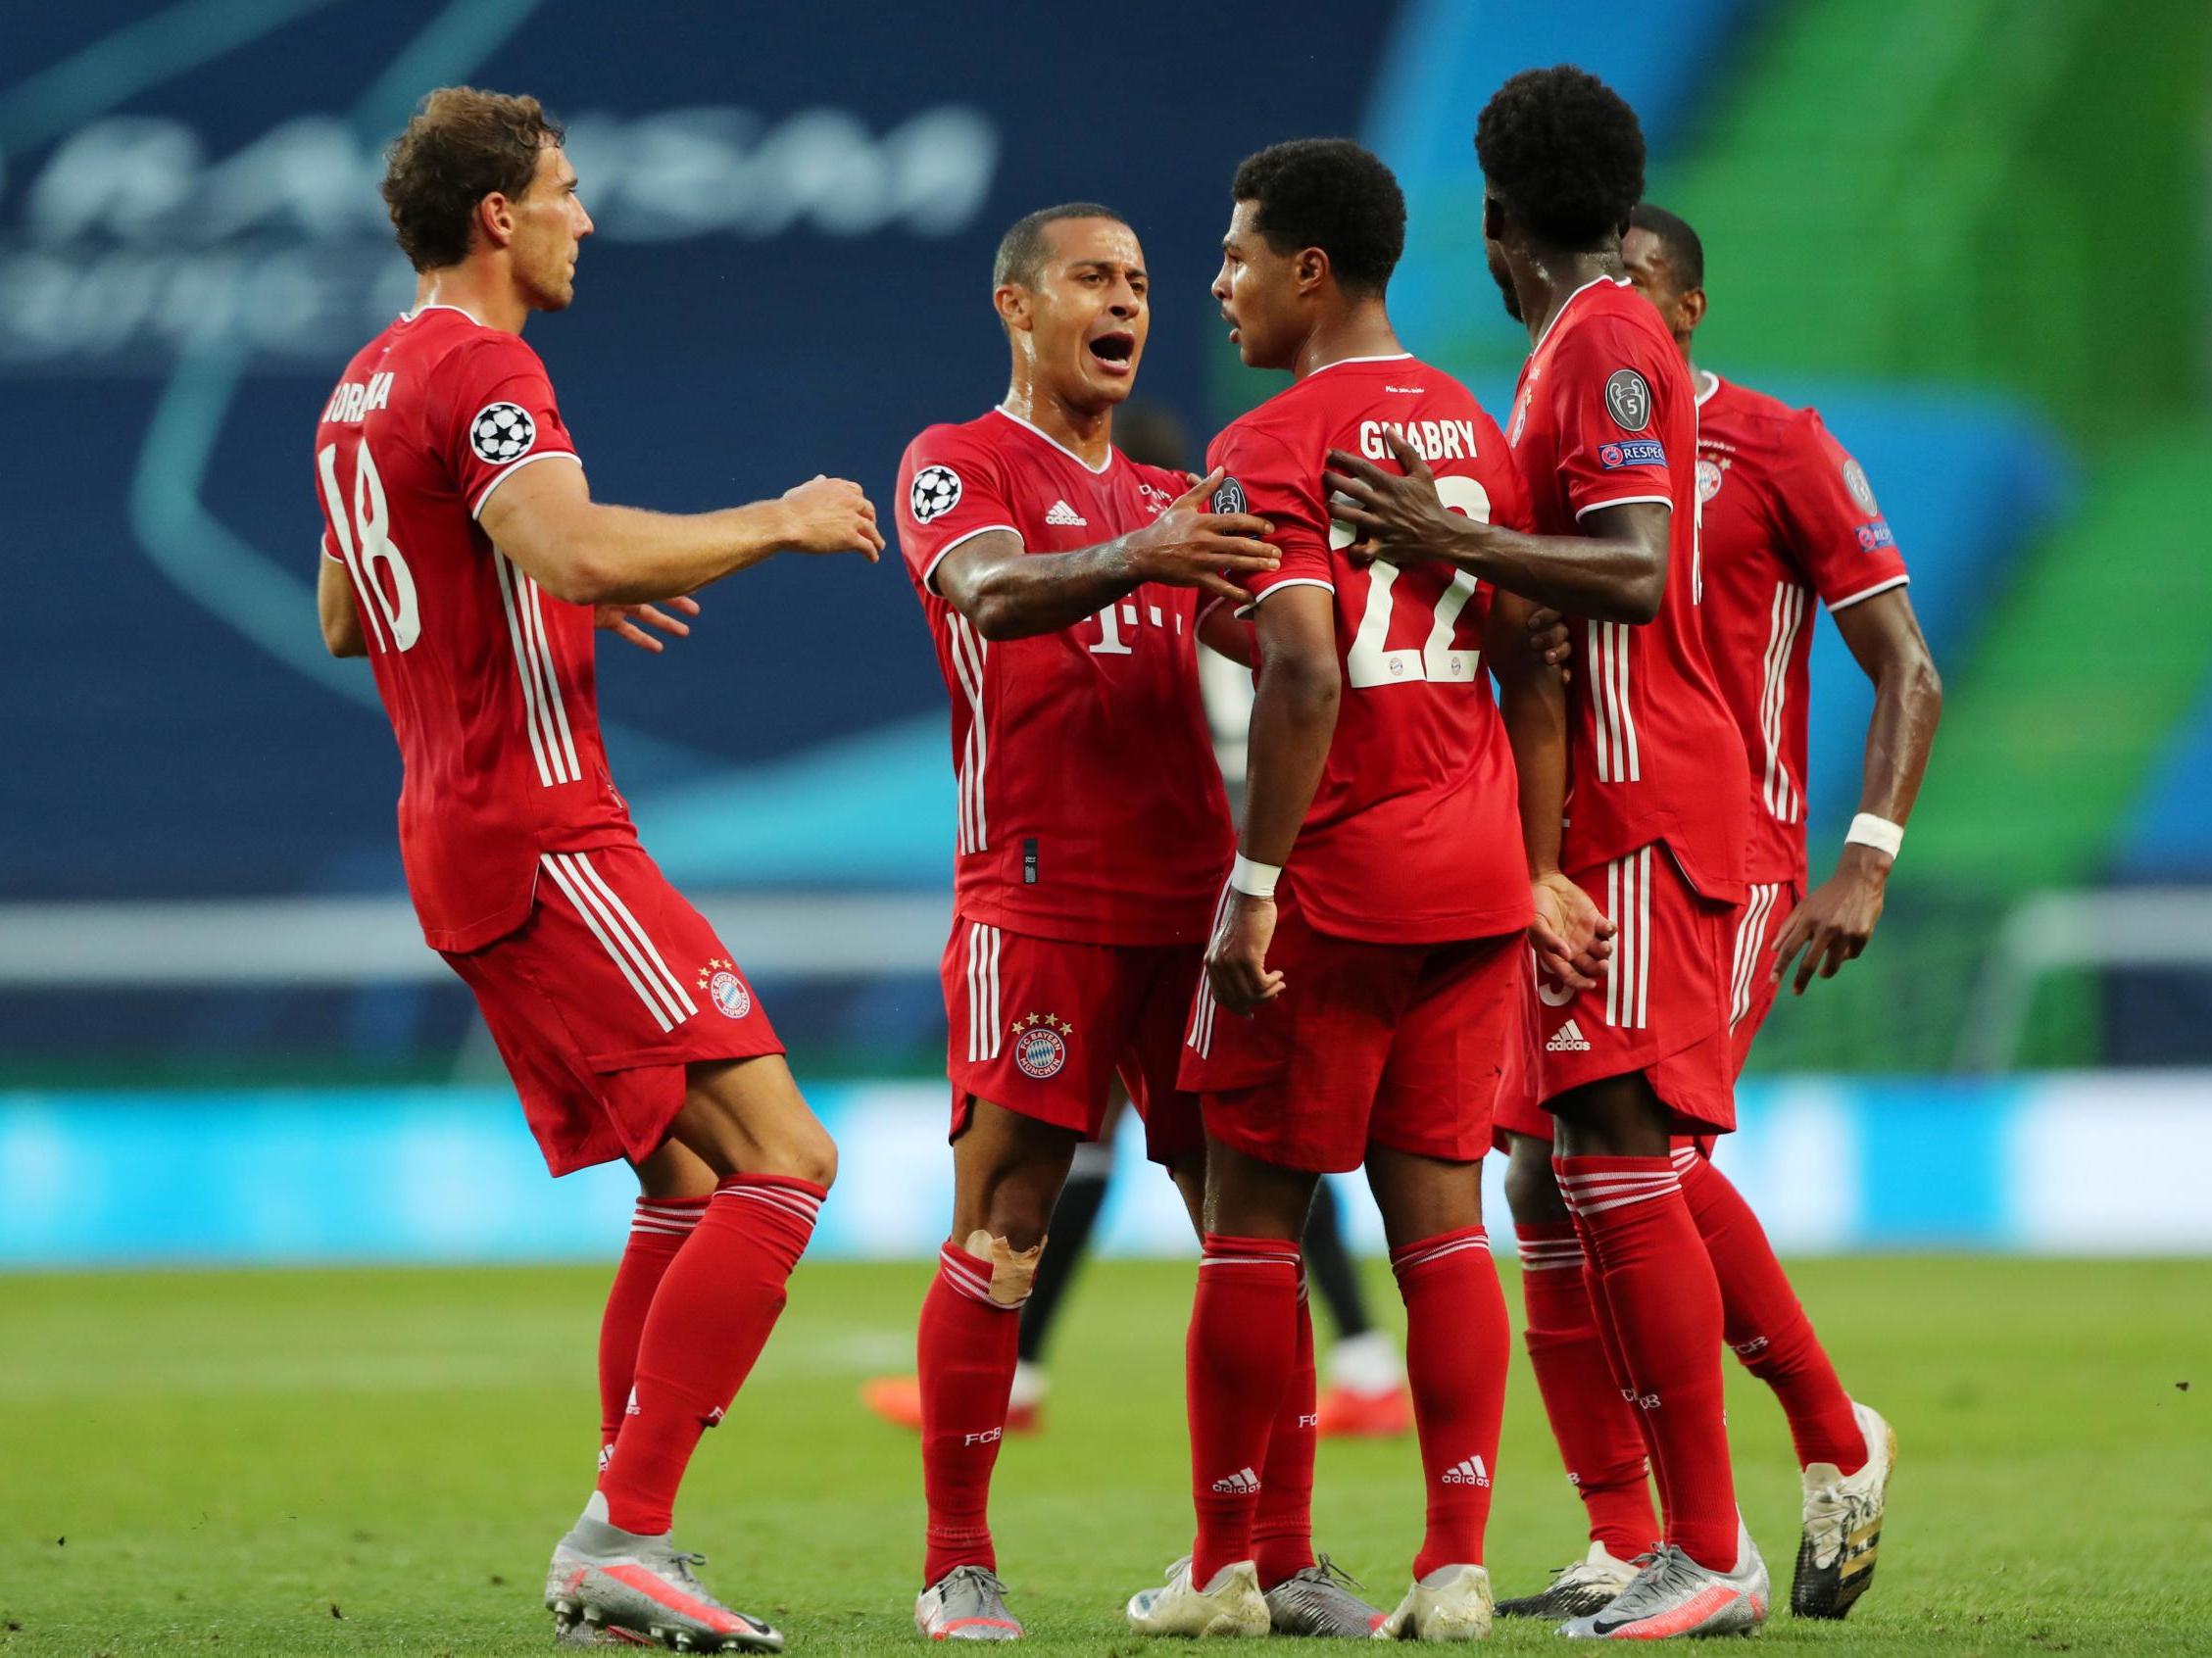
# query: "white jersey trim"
[[535, 667], [1882, 586], [1246, 609], [1346, 362], [1787, 616], [1094, 471], [1595, 282], [970, 653], [1621, 501], [508, 470], [929, 575], [1706, 396], [1620, 758]]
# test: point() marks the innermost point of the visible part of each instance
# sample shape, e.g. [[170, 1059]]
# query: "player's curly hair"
[[462, 146], [1331, 194], [1565, 154], [1686, 253]]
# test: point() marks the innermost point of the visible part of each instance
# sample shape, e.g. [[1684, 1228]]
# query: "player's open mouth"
[[1115, 352]]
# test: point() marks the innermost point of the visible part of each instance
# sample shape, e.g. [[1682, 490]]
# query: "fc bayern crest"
[[1229, 498], [719, 980], [1863, 492], [502, 432], [1040, 1045], [1710, 476], [936, 492], [1628, 399]]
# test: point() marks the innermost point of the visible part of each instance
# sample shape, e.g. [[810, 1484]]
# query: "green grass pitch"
[[379, 1461]]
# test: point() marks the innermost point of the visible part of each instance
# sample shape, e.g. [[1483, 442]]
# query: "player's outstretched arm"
[[577, 548], [1571, 938], [1010, 594], [1838, 916], [1617, 573], [341, 622], [1294, 716]]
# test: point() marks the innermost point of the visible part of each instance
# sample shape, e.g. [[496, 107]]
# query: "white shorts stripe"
[[1643, 924], [645, 938], [1624, 944], [567, 885]]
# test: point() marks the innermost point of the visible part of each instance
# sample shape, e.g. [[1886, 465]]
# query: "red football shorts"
[[601, 999], [1042, 1026], [1751, 988], [1663, 1008], [1400, 1046]]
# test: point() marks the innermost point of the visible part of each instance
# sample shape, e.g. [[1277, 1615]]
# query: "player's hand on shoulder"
[[1571, 936], [1192, 546], [832, 515], [1398, 519], [628, 622], [1236, 960], [1837, 919]]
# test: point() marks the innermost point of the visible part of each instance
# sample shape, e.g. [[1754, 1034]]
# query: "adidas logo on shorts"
[[1063, 513], [1567, 1038], [1243, 1483]]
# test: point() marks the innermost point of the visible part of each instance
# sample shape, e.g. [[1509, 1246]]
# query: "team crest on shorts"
[[719, 980], [1040, 1045]]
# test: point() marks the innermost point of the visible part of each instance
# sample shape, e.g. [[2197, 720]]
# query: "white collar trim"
[[1706, 396], [1595, 282], [1096, 472], [411, 316], [1342, 361]]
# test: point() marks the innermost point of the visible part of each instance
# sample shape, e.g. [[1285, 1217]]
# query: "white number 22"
[[370, 522], [1367, 664]]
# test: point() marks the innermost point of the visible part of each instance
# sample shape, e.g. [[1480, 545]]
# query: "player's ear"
[[1309, 268], [1011, 300], [1692, 305], [495, 217], [1494, 218]]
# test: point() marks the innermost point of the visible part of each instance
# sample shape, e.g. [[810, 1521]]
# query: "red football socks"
[[1237, 1367], [966, 1347], [1599, 1439], [656, 1233], [1281, 1526], [1765, 1324], [1655, 1282], [709, 1318], [1457, 1346]]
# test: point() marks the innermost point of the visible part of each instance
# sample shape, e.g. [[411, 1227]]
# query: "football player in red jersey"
[[1604, 427], [1788, 516], [1066, 588], [470, 575], [1363, 1003]]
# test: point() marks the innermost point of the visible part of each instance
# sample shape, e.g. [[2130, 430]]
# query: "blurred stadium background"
[[221, 1039]]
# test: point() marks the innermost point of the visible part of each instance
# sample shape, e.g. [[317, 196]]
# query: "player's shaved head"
[[1685, 254], [1025, 250], [463, 145]]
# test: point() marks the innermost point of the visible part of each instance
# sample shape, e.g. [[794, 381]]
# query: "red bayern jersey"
[[1789, 516], [1090, 804], [1414, 834], [1604, 415], [488, 681]]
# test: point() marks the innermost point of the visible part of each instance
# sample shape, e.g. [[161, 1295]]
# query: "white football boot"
[[967, 1603], [1579, 1590], [605, 1580], [1229, 1606], [1844, 1524], [1674, 1595], [1450, 1603]]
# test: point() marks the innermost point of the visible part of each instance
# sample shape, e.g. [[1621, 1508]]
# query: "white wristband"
[[1254, 880], [1879, 833]]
